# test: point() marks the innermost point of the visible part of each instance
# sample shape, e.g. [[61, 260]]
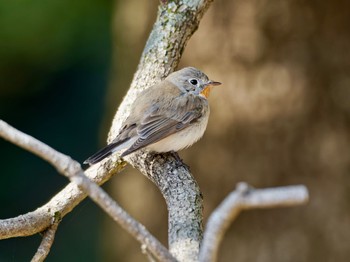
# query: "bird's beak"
[[207, 88], [213, 83]]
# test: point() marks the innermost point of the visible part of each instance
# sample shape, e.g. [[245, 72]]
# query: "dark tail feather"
[[103, 153]]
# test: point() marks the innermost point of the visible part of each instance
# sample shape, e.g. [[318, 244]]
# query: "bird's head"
[[192, 80]]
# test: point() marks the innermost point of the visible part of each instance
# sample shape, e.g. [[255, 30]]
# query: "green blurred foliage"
[[54, 69]]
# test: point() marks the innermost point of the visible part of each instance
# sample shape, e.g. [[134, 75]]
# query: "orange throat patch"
[[206, 91]]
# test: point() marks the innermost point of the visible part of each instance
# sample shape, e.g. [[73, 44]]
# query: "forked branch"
[[244, 198], [71, 169]]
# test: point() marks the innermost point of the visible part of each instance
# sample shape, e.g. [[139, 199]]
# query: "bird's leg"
[[176, 155]]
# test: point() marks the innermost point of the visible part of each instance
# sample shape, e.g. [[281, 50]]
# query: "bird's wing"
[[159, 124], [108, 150]]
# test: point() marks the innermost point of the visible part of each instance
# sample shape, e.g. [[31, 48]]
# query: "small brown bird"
[[168, 116]]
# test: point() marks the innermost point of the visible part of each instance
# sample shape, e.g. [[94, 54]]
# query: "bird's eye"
[[193, 81]]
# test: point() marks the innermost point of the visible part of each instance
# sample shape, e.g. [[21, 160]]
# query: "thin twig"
[[71, 169], [243, 198], [46, 243], [148, 254]]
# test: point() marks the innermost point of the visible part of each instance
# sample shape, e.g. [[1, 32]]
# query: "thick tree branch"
[[243, 198], [184, 202], [175, 24]]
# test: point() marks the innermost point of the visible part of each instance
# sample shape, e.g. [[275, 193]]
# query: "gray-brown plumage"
[[168, 116]]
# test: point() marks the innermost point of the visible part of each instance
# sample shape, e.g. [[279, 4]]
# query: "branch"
[[61, 204], [46, 243], [175, 24], [244, 198], [71, 169]]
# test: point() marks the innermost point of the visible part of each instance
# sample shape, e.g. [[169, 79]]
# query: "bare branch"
[[136, 229], [61, 204], [73, 171], [148, 254], [46, 243], [243, 198]]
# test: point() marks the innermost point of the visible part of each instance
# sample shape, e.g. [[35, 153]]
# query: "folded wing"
[[159, 124]]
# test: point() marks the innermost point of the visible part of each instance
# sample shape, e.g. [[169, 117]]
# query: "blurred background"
[[281, 117]]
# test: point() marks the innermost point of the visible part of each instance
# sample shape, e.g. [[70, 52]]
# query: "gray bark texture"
[[175, 24]]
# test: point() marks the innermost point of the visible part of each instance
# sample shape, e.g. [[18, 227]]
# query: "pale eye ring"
[[193, 81]]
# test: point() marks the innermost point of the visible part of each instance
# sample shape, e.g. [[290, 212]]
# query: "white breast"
[[183, 138]]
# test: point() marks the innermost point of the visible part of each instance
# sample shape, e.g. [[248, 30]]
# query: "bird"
[[167, 117]]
